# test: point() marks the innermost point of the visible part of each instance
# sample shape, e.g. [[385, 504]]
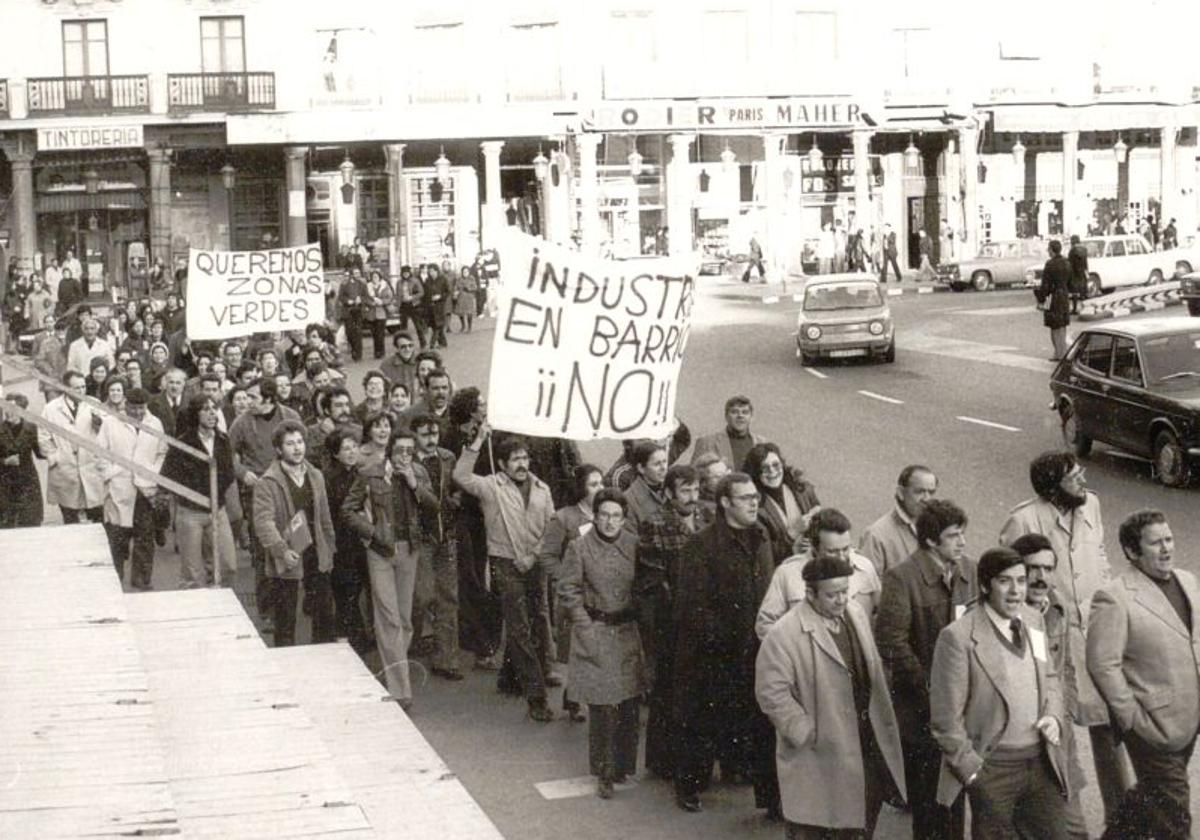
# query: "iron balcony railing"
[[3, 98], [89, 95], [187, 92]]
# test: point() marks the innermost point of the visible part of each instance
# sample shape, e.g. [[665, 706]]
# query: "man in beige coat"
[[1068, 514], [1143, 651], [820, 680]]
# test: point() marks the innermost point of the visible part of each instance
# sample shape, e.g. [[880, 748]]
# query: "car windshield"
[[827, 297], [1095, 247], [1173, 358]]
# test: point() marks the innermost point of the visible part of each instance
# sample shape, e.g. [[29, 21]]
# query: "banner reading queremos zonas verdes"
[[236, 293], [585, 347]]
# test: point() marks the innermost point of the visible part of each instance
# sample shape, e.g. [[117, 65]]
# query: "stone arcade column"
[[679, 195], [395, 169], [21, 211], [296, 232], [775, 234], [160, 204], [493, 210], [1166, 177], [1070, 202], [863, 211], [968, 160], [589, 209]]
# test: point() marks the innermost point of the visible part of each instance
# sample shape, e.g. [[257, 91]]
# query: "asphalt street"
[[967, 396]]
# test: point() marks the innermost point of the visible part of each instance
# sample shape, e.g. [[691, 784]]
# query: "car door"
[[1088, 385], [1116, 268], [1141, 259], [1127, 405]]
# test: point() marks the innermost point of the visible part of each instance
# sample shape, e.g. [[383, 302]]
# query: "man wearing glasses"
[[401, 366], [1068, 515], [723, 577]]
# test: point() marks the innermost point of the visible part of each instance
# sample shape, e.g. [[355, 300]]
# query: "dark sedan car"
[[1135, 386]]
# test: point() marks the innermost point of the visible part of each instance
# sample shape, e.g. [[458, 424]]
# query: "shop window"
[[374, 222], [257, 214], [815, 38], [439, 64], [533, 62], [222, 45], [85, 48], [431, 218]]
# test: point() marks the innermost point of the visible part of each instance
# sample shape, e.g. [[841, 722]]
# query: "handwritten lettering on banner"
[[585, 347], [236, 293]]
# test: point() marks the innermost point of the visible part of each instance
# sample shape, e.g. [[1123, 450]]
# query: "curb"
[[1147, 302]]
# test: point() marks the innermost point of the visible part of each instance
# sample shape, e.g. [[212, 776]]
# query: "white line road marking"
[[895, 292], [882, 398], [578, 786], [925, 290], [797, 297], [771, 299], [816, 373], [988, 423]]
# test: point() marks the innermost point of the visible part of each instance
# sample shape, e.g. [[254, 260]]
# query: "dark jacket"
[[1054, 292], [723, 576], [913, 610], [1077, 257], [772, 518], [160, 407], [554, 460], [349, 554], [188, 470], [373, 512], [20, 488], [438, 523]]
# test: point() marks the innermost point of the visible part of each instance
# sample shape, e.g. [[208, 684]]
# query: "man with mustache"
[[1068, 515]]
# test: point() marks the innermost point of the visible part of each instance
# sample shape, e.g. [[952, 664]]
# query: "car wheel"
[[1156, 277], [1170, 461], [889, 355], [1094, 289], [1194, 307], [1076, 440], [1182, 267], [981, 281]]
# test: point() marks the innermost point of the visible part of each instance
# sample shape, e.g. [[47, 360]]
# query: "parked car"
[[1189, 290], [844, 316], [1116, 262], [1000, 263], [1134, 385]]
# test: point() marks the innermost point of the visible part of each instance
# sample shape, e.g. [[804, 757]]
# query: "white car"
[[1115, 262]]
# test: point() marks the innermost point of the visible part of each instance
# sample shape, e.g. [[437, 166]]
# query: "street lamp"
[[1120, 149], [635, 160], [442, 166], [228, 176], [541, 165], [912, 155], [728, 158], [1019, 152], [347, 170], [814, 154]]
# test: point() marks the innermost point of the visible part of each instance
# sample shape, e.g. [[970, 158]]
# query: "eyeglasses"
[[404, 450]]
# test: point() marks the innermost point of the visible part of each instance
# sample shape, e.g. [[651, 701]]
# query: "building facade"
[[133, 130]]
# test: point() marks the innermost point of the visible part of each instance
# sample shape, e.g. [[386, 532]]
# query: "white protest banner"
[[586, 347], [236, 293]]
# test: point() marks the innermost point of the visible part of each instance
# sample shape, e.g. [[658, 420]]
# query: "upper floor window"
[[222, 45], [725, 35], [917, 54], [815, 38], [533, 61], [439, 74], [85, 48], [633, 51]]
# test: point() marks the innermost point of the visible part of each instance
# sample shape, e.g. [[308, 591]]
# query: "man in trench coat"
[[820, 680]]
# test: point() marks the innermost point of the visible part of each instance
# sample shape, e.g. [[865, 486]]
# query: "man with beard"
[[333, 410], [892, 538], [516, 509], [435, 402], [1038, 556], [921, 596], [304, 384], [722, 579], [1068, 515], [661, 540], [401, 366], [734, 442]]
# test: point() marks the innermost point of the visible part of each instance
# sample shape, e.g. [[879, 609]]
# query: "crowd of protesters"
[[831, 673]]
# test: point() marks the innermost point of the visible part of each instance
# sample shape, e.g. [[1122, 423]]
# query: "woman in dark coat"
[[20, 488], [788, 500], [1054, 297]]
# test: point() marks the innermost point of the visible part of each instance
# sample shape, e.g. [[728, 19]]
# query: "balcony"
[[89, 95], [3, 99], [220, 92]]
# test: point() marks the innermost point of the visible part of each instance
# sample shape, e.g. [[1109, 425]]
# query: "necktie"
[[1018, 640]]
